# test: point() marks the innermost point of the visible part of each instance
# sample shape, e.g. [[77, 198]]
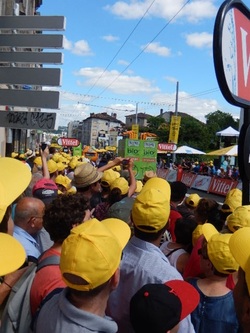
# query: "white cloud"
[[110, 38], [171, 79], [123, 62], [195, 107], [81, 47], [167, 9], [200, 40], [123, 84], [156, 48]]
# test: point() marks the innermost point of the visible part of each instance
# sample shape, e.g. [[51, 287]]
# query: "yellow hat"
[[22, 156], [38, 161], [218, 249], [239, 218], [240, 247], [13, 254], [192, 200], [14, 179], [151, 208], [108, 177], [92, 252], [61, 166], [13, 154], [63, 180], [56, 157], [233, 200], [139, 186], [120, 183], [196, 234], [52, 166]]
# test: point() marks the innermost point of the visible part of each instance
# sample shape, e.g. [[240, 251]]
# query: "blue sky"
[[121, 53]]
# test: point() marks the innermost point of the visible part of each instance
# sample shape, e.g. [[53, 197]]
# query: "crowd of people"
[[122, 255], [205, 168]]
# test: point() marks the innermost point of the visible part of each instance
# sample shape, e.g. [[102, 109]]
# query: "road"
[[220, 199]]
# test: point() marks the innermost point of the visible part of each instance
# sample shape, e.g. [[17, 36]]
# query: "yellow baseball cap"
[[61, 166], [218, 249], [52, 166], [12, 254], [192, 200], [139, 186], [239, 218], [38, 161], [108, 177], [240, 247], [120, 183], [151, 208], [92, 253], [233, 200], [63, 180], [14, 179]]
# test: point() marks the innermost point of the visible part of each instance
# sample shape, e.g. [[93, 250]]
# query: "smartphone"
[[125, 162], [43, 146]]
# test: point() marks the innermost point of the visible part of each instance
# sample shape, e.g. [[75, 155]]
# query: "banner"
[[201, 183], [174, 129], [221, 186]]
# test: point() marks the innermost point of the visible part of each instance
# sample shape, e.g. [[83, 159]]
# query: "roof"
[[104, 116], [139, 114], [229, 131]]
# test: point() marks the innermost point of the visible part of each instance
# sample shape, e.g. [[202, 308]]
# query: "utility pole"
[[176, 109]]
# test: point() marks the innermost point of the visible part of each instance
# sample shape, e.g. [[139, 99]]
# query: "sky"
[[120, 56]]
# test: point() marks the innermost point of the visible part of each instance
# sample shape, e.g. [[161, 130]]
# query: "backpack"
[[17, 316]]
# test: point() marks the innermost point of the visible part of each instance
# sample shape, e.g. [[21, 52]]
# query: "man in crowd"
[[90, 260], [143, 262]]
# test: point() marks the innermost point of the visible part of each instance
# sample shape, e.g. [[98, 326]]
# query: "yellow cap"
[[240, 247], [239, 218], [233, 200], [52, 166], [218, 249], [109, 176], [63, 180], [151, 208], [38, 161], [14, 179], [13, 254], [61, 166], [192, 200], [120, 183], [92, 252], [139, 186]]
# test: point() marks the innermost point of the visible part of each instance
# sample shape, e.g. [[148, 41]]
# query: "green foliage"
[[193, 133], [218, 121], [158, 126]]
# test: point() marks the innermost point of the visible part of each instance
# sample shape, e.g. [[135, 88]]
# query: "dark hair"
[[183, 231], [116, 195], [64, 211], [149, 236], [178, 191], [208, 211], [4, 222]]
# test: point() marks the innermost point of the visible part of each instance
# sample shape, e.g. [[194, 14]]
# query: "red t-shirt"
[[46, 280]]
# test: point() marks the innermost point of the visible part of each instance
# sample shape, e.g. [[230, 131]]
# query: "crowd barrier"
[[214, 185]]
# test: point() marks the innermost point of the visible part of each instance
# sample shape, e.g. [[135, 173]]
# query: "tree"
[[217, 121], [193, 133]]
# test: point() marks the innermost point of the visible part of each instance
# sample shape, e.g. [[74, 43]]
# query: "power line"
[[163, 28], [124, 43]]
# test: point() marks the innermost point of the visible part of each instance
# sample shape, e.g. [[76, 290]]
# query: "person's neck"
[[95, 305]]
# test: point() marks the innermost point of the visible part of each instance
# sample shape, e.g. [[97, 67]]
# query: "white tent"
[[188, 150], [230, 131]]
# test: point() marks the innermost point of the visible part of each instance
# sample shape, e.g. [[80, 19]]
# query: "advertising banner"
[[174, 129], [188, 178], [221, 186], [201, 183]]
